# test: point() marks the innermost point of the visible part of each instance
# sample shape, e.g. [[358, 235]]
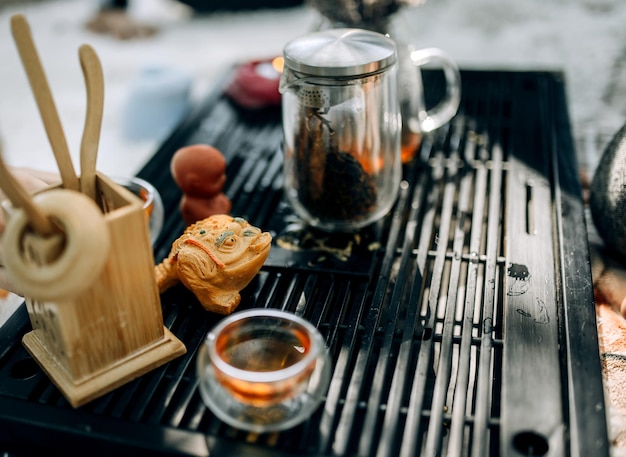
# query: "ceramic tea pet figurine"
[[215, 258]]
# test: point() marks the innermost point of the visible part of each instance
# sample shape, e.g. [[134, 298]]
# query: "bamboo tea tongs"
[[94, 82], [43, 97]]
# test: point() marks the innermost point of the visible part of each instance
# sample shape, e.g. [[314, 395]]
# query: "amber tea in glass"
[[261, 351], [263, 369]]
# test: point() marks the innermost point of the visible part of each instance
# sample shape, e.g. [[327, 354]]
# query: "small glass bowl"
[[152, 203], [263, 370]]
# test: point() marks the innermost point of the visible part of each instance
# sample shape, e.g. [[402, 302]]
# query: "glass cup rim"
[[127, 182], [316, 346]]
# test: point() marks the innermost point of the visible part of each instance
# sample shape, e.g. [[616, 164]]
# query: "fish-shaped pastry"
[[215, 258]]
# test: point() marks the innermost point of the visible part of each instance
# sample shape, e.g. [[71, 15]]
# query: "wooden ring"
[[81, 259]]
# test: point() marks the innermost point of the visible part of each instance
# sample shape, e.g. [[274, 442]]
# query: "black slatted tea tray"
[[462, 324]]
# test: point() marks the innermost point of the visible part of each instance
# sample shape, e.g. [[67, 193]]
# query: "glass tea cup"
[[152, 203], [263, 370]]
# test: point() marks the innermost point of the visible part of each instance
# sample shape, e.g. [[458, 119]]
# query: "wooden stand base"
[[79, 392]]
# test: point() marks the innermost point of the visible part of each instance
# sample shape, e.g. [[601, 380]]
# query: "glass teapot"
[[342, 123]]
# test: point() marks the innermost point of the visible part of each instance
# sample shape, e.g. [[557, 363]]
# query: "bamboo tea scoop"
[[94, 82], [43, 96]]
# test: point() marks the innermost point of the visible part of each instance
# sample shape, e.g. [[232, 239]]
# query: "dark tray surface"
[[401, 357]]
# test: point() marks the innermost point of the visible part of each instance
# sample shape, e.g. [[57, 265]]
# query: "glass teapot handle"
[[449, 104]]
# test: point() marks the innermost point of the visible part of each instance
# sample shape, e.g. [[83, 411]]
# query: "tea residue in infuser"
[[333, 183]]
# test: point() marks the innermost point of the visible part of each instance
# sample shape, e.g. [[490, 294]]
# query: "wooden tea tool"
[[94, 82], [88, 280], [45, 102], [20, 198]]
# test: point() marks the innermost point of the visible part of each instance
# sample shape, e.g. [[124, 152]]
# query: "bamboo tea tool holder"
[[81, 255]]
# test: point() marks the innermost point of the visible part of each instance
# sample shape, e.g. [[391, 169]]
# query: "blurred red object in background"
[[255, 84]]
